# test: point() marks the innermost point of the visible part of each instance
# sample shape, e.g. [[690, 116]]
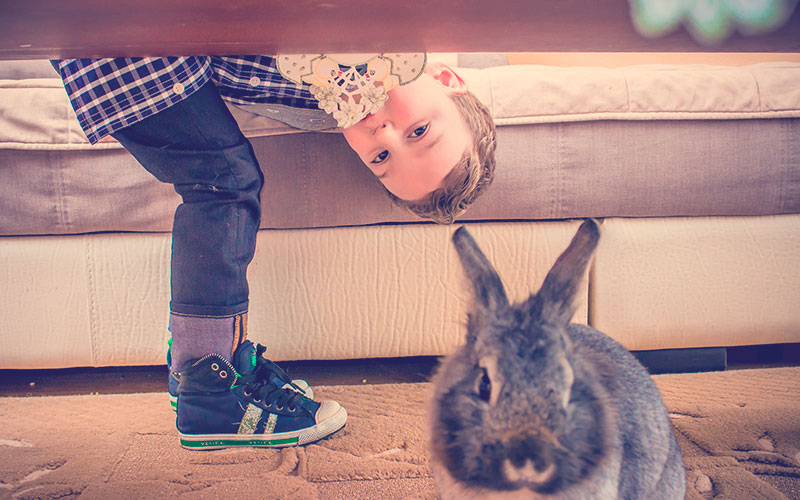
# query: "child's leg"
[[229, 395], [197, 146]]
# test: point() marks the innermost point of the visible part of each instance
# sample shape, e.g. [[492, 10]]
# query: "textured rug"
[[739, 431]]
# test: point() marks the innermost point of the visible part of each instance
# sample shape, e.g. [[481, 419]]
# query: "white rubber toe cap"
[[327, 410]]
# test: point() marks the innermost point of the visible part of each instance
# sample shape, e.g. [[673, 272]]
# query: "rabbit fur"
[[534, 407]]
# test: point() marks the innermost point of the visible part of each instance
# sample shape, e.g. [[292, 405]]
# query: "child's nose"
[[372, 122], [383, 129]]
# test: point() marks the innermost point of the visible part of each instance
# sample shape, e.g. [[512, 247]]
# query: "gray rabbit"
[[534, 407]]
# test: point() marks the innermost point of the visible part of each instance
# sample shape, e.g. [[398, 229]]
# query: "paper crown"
[[351, 86]]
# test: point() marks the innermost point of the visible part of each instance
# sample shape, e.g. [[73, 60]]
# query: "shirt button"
[[178, 88], [255, 81]]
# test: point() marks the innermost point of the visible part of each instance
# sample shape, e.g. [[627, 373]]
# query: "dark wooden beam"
[[112, 28]]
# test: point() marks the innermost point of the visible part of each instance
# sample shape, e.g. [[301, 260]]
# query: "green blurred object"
[[710, 22]]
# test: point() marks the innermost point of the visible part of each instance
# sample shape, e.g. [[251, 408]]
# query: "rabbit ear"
[[555, 302], [488, 289]]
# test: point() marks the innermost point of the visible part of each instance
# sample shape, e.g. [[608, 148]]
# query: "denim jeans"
[[197, 146]]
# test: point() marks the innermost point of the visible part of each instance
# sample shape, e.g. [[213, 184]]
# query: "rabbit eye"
[[485, 387]]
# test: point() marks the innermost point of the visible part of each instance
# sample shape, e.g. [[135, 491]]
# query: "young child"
[[414, 125]]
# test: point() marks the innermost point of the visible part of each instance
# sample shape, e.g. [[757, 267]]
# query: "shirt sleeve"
[[110, 94]]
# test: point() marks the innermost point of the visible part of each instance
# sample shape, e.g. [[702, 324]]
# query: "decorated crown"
[[351, 86]]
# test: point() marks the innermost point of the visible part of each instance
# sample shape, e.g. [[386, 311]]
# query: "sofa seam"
[[788, 156], [61, 199], [758, 90], [556, 166], [627, 91], [555, 207], [562, 177], [92, 296], [315, 185], [52, 185]]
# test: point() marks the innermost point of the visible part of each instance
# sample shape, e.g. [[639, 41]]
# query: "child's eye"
[[419, 131], [380, 158]]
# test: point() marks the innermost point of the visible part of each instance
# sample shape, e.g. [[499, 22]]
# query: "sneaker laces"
[[260, 383], [271, 368]]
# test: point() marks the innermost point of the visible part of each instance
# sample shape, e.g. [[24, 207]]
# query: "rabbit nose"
[[528, 461], [528, 474]]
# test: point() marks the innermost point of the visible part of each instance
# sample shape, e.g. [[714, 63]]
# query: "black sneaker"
[[245, 403], [298, 384]]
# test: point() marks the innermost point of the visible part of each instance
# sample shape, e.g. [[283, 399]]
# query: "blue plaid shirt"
[[110, 94]]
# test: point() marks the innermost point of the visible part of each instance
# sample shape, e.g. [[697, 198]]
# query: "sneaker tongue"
[[244, 358]]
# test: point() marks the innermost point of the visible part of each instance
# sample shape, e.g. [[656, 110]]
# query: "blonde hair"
[[473, 173]]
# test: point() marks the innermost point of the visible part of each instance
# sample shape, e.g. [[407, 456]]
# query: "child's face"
[[417, 137]]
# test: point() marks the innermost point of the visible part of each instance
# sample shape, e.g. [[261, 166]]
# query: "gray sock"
[[193, 337]]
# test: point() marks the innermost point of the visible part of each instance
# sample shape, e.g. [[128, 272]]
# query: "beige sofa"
[[694, 171]]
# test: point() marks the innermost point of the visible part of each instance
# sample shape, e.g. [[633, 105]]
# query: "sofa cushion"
[[542, 94], [697, 282], [37, 113], [572, 142], [314, 294]]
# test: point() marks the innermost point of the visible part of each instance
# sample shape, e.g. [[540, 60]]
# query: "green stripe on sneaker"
[[216, 443]]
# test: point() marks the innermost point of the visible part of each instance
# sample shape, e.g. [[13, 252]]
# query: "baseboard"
[[697, 359], [703, 359]]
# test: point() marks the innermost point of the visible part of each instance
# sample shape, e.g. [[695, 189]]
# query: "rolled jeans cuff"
[[207, 311]]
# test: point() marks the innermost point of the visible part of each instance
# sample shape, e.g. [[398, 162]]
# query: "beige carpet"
[[739, 430]]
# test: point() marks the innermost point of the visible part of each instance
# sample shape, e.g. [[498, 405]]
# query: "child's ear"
[[448, 78]]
